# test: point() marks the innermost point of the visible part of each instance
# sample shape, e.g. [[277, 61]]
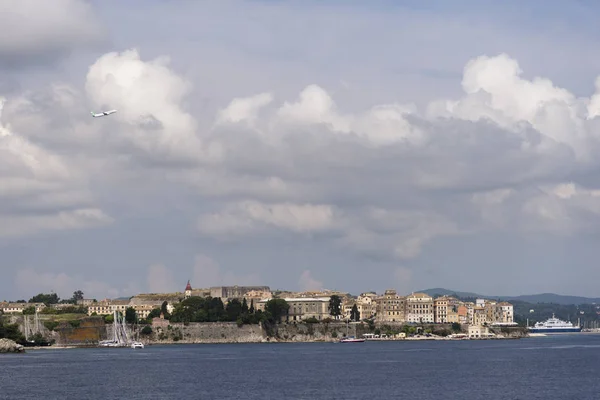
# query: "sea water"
[[560, 367]]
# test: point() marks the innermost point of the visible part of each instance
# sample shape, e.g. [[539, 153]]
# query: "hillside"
[[529, 298]]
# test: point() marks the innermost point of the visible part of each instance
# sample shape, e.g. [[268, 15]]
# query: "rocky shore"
[[9, 346]]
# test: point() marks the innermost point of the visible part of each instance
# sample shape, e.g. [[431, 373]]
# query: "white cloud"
[[207, 273], [45, 29], [148, 96], [160, 280], [308, 283], [244, 109], [30, 282], [248, 216], [40, 190]]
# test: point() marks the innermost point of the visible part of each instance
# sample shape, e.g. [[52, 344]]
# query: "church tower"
[[188, 290]]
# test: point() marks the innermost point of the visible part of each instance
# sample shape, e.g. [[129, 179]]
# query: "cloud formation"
[[298, 162], [45, 31]]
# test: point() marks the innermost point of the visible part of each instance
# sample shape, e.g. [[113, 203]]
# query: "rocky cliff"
[[8, 346]]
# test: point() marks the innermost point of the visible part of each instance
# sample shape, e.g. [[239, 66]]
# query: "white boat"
[[351, 340], [120, 336], [554, 325], [137, 345]]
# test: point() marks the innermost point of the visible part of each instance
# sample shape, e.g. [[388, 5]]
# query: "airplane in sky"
[[103, 113]]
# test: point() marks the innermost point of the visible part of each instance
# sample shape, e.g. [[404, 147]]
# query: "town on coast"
[[234, 314]]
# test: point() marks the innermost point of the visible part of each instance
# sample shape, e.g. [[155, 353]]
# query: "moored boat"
[[351, 340], [554, 325]]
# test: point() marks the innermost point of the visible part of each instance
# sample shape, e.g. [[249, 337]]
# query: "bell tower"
[[188, 290]]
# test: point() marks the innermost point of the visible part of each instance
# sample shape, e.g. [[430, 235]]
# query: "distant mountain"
[[528, 298]]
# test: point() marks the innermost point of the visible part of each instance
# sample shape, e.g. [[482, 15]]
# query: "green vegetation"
[[75, 323], [51, 325], [66, 310], [147, 330], [211, 309], [277, 309], [354, 313], [335, 306], [130, 315], [29, 310], [10, 331], [47, 299]]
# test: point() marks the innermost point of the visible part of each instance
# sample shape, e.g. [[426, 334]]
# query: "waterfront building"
[[390, 307], [419, 308]]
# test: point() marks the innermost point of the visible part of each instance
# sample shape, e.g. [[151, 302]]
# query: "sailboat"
[[350, 339], [120, 336]]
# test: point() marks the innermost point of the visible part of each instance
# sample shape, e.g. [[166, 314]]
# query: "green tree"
[[456, 328], [244, 306], [234, 309], [47, 299], [354, 313], [147, 330], [130, 315], [29, 310], [163, 309], [277, 309], [251, 310], [335, 306], [155, 313], [77, 295], [10, 331]]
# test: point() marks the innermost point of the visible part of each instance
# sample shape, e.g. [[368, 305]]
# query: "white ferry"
[[554, 325]]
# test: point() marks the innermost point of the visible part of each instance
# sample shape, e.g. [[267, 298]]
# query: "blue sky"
[[345, 145]]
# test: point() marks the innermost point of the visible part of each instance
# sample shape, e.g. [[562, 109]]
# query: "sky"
[[303, 145]]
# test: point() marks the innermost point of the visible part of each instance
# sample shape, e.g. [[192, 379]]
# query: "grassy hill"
[[528, 298]]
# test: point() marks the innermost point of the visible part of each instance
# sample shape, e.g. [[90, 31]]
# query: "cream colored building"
[[505, 314], [419, 308], [303, 307], [441, 305], [390, 307], [478, 331], [479, 316], [17, 308], [367, 305]]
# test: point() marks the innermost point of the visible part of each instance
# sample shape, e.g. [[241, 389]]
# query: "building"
[[303, 307], [17, 308], [442, 307], [478, 331], [419, 308], [390, 307], [235, 292], [367, 305]]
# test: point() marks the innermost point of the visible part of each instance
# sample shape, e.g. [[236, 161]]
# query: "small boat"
[[137, 345], [351, 340]]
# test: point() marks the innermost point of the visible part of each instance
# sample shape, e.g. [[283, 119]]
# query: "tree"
[[234, 309], [335, 306], [155, 313], [277, 308], [244, 306], [146, 330], [163, 309], [251, 310], [456, 328], [354, 313], [29, 310], [130, 315], [47, 299], [77, 295]]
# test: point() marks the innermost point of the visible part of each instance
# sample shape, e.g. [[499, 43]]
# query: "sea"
[[553, 367]]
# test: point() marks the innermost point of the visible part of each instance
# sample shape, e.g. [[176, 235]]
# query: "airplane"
[[103, 113]]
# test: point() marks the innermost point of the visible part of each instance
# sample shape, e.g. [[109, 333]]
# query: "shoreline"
[[185, 342]]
